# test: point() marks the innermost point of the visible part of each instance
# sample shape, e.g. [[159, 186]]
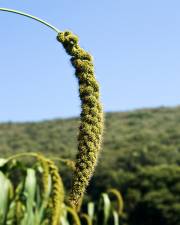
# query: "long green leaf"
[[105, 206], [116, 218], [91, 210], [6, 191]]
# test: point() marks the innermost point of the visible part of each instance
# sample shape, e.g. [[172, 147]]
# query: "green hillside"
[[146, 137], [140, 157]]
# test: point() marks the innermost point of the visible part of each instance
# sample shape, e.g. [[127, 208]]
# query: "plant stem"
[[30, 16]]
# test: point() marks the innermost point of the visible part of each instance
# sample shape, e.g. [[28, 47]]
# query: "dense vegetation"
[[32, 193], [141, 157]]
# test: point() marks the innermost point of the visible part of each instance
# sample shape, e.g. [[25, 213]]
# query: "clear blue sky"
[[136, 46]]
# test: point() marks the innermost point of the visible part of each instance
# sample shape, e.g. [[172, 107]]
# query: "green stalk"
[[31, 17]]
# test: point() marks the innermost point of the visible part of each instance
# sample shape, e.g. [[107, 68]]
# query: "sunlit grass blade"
[[63, 218], [105, 208], [6, 192], [29, 193], [115, 218], [91, 210]]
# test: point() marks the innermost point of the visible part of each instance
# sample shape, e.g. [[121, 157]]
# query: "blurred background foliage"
[[140, 157]]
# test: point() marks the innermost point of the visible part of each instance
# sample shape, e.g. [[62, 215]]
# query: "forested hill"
[[140, 157], [148, 136]]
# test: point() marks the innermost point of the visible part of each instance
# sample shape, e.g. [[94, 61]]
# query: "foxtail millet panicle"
[[91, 127], [57, 193]]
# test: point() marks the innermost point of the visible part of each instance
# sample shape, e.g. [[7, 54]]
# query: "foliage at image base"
[[32, 193], [141, 158]]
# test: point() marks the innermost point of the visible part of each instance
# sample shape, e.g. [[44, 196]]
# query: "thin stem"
[[68, 162], [30, 16], [22, 155]]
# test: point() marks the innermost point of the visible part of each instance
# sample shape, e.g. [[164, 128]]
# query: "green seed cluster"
[[45, 174], [57, 195], [91, 127]]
